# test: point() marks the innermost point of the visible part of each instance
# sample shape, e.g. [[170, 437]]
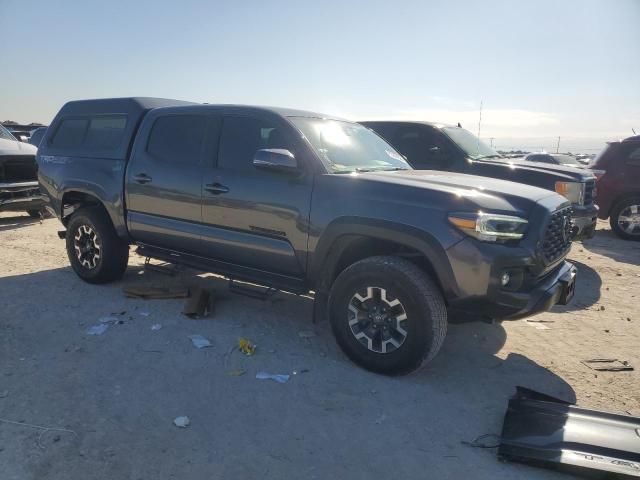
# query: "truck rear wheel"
[[95, 251], [625, 218], [387, 315]]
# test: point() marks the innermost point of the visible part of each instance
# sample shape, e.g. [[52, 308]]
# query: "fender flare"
[[113, 206], [339, 234]]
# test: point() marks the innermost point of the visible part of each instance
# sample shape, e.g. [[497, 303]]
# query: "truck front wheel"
[[387, 315], [95, 251]]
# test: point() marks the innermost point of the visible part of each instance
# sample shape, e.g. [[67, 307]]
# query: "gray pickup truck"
[[19, 189], [304, 202]]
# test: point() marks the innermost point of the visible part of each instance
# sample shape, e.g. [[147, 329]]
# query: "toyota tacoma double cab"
[[19, 189], [304, 202], [452, 148]]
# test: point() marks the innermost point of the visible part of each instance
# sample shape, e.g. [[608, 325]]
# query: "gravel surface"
[[111, 400]]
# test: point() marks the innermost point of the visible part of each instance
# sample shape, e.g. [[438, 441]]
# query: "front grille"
[[18, 168], [589, 192], [557, 236]]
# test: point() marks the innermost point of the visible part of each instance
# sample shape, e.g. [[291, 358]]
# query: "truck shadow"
[[16, 221], [588, 288], [461, 394], [608, 244]]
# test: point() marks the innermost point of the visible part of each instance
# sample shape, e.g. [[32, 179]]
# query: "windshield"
[[467, 141], [5, 134], [567, 160], [347, 147]]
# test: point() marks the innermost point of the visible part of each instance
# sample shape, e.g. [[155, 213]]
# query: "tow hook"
[[62, 234]]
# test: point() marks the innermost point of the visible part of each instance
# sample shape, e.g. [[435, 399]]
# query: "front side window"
[[566, 160], [347, 147], [242, 137], [177, 138], [424, 148], [5, 134], [635, 156]]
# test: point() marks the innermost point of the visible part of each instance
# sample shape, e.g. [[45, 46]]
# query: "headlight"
[[490, 227], [572, 191]]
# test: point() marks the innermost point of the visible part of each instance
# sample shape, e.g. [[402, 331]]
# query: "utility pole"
[[558, 146], [491, 140]]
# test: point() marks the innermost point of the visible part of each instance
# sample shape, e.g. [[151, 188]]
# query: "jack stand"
[[166, 269]]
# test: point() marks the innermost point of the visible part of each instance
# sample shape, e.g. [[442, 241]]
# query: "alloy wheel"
[[629, 220], [87, 246], [377, 320]]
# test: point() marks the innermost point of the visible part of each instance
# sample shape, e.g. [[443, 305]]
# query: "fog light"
[[504, 280]]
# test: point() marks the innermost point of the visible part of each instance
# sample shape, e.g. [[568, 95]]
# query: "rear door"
[[164, 178], [254, 217]]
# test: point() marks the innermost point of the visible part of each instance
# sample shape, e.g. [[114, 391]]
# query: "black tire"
[[426, 315], [614, 218], [113, 252]]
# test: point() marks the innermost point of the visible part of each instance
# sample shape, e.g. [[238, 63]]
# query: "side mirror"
[[275, 159]]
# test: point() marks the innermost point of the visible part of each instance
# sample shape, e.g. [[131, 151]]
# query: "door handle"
[[216, 188], [142, 178]]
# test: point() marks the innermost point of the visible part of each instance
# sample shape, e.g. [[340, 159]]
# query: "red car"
[[617, 169]]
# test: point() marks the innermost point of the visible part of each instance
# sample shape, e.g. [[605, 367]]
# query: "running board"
[[544, 430], [233, 272]]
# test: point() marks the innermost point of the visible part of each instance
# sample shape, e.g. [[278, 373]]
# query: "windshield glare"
[[348, 147], [467, 141]]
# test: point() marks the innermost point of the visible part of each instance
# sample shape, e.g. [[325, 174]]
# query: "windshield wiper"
[[379, 169], [370, 169], [496, 155]]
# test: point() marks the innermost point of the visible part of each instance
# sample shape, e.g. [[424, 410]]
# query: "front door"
[[254, 217]]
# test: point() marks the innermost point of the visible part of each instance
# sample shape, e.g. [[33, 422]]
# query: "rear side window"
[[177, 138], [98, 133]]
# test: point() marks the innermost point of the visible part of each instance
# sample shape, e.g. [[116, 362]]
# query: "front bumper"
[[21, 196], [478, 268], [583, 220]]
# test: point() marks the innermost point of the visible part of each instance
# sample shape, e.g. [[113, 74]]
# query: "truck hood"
[[563, 172], [484, 193], [13, 147]]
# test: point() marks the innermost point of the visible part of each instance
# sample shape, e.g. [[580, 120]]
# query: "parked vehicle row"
[[451, 148], [307, 202], [19, 190]]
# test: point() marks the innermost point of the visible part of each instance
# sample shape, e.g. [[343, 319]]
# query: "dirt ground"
[[113, 397]]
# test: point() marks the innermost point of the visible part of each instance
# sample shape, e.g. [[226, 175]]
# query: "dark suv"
[[301, 201], [617, 168], [436, 146]]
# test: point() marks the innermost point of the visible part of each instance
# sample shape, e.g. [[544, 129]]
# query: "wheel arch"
[[347, 241], [75, 198], [621, 198]]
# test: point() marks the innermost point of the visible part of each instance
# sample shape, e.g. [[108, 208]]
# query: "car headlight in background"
[[490, 227], [572, 191]]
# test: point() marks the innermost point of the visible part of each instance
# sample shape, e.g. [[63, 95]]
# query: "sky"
[[541, 68]]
